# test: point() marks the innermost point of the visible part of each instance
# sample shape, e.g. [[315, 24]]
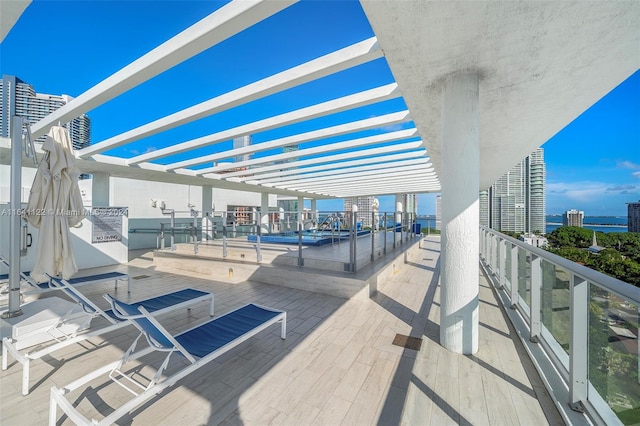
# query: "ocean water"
[[596, 223]]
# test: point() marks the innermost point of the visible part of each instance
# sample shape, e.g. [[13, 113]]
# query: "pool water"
[[309, 238]]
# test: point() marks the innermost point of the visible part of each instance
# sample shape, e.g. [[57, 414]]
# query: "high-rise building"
[[286, 150], [411, 203], [365, 208], [242, 142], [516, 201], [633, 217], [573, 218], [536, 174], [483, 200], [18, 98]]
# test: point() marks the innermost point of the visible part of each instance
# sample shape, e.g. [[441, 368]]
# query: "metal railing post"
[[514, 276], [373, 249], [578, 343], [173, 226], [258, 251], [395, 228], [163, 243], [536, 286], [194, 231], [300, 258], [14, 223], [355, 241], [224, 235], [503, 262], [384, 250]]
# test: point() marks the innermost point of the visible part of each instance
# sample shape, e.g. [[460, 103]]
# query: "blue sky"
[[592, 165]]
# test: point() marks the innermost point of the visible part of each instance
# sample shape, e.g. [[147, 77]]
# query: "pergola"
[[485, 84]]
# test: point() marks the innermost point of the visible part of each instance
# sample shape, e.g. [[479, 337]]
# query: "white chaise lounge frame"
[[92, 311], [82, 280], [155, 387]]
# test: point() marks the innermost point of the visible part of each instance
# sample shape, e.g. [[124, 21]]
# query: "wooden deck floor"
[[338, 364]]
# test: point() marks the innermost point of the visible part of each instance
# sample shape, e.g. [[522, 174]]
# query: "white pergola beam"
[[354, 143], [417, 186], [386, 191], [382, 190], [399, 179], [337, 61], [404, 175], [330, 160], [295, 171], [294, 117], [225, 22], [390, 187], [345, 171]]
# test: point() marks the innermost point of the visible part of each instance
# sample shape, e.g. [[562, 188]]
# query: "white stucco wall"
[[136, 195], [87, 254]]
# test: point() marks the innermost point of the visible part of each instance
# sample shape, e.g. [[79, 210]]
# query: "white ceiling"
[[541, 65]]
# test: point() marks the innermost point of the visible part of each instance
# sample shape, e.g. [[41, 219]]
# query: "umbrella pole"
[[15, 207]]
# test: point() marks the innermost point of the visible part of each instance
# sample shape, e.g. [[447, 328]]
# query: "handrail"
[[566, 372], [614, 285]]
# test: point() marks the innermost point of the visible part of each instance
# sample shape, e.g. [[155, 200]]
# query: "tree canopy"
[[620, 259]]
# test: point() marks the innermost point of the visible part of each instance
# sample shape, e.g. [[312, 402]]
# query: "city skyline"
[[592, 165]]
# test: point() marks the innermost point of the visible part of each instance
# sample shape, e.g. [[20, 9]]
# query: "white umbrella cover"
[[55, 204]]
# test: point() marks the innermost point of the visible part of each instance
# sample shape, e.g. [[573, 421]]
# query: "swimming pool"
[[309, 238]]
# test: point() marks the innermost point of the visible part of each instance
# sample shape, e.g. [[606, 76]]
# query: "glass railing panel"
[[555, 303], [524, 276], [613, 353], [507, 268], [496, 254]]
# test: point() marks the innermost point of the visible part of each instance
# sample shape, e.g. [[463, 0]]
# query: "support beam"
[[460, 215], [300, 212], [264, 213], [328, 162], [293, 168], [207, 212], [337, 172], [319, 150], [342, 59], [399, 208], [322, 109], [15, 204]]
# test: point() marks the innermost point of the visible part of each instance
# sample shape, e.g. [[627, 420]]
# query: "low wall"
[[88, 252]]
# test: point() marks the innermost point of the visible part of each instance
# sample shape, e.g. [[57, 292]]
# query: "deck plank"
[[337, 366]]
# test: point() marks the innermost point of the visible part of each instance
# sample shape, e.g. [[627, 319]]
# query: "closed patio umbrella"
[[55, 205]]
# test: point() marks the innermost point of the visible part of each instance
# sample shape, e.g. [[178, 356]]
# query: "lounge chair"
[[87, 279], [62, 337], [199, 345]]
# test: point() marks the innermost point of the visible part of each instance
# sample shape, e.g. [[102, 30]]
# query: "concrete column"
[[460, 157], [207, 212], [300, 212], [264, 213], [100, 190], [399, 208]]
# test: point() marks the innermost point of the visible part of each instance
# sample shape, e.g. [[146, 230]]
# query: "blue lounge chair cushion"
[[81, 280], [160, 302], [216, 333]]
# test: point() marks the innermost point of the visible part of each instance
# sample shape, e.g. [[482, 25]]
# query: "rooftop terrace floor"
[[338, 364]]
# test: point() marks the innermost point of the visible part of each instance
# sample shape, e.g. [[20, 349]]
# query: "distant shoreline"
[[588, 225]]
